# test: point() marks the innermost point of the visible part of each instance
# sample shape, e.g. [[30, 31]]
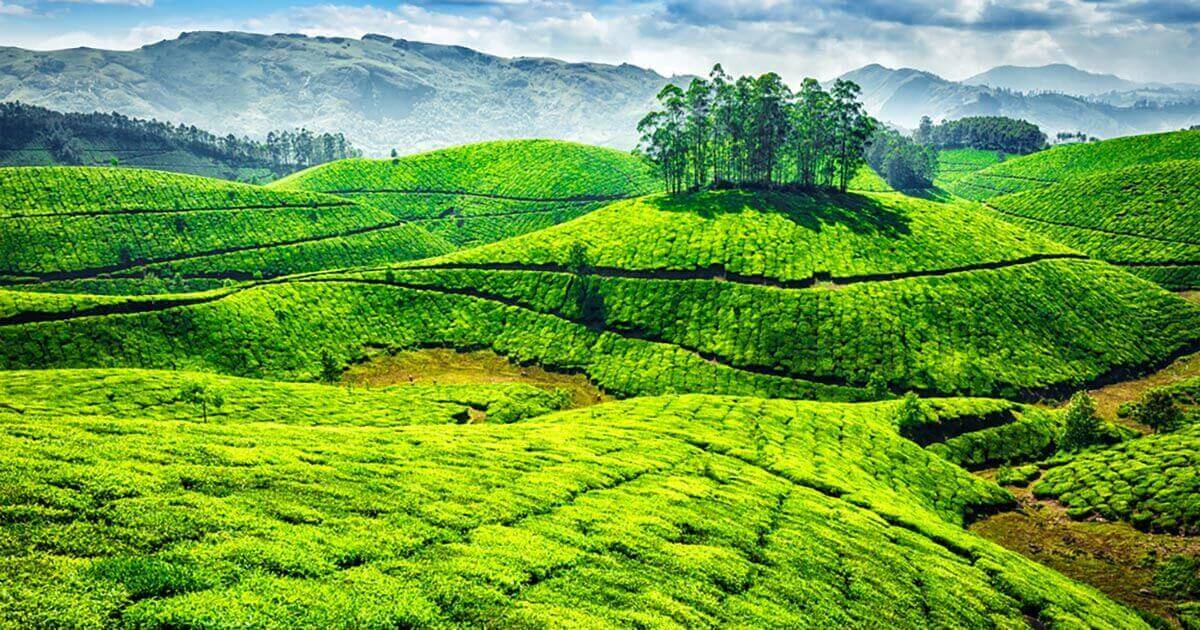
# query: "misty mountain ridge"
[[382, 93], [1057, 98], [385, 93]]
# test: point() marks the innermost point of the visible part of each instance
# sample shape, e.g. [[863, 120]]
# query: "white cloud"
[[13, 9], [821, 38]]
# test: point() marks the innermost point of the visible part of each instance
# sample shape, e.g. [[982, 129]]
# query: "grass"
[[74, 223], [954, 164], [1142, 217], [485, 192], [691, 510], [441, 366]]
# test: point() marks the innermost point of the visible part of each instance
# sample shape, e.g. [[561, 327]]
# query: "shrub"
[[1178, 577], [1157, 410], [1081, 427]]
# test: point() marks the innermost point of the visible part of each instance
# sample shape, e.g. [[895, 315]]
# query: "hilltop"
[[689, 510], [383, 93], [488, 191]]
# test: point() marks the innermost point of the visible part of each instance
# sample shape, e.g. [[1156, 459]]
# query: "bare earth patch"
[[1191, 296], [1110, 397], [442, 366], [1113, 557]]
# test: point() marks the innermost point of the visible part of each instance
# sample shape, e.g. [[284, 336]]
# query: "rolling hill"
[[781, 295], [88, 228], [1129, 201], [383, 93], [485, 192], [689, 510]]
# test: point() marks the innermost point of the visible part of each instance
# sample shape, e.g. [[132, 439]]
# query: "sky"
[[1145, 40]]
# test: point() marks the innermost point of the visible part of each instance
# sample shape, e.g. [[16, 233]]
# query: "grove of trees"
[[990, 133], [902, 162], [64, 135], [755, 131]]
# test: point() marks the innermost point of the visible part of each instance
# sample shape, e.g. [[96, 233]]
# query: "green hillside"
[[63, 224], [769, 295], [1151, 482], [480, 193], [954, 164], [1144, 218], [685, 511], [1068, 161]]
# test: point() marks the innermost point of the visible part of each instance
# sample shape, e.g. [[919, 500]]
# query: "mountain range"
[[1055, 97], [382, 93], [386, 93]]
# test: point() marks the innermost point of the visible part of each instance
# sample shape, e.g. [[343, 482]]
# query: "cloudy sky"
[[1138, 39]]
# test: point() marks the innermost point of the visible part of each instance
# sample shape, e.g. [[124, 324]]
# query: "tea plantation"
[[63, 224], [485, 192], [678, 511], [179, 448], [1145, 218]]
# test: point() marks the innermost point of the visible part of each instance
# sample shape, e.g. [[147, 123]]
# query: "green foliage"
[[911, 415], [954, 164], [1081, 424], [777, 235], [684, 510], [1142, 216], [756, 132], [903, 163], [986, 133], [1157, 409], [1068, 161], [1178, 578], [331, 368], [1019, 476], [196, 393], [1151, 482], [535, 170], [79, 222]]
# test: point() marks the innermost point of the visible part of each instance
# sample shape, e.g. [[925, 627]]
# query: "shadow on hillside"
[[812, 210], [933, 193]]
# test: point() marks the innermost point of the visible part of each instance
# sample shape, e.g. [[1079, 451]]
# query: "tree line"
[[903, 163], [991, 133], [64, 136], [755, 131]]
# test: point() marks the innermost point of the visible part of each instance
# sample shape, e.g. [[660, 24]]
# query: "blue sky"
[[1138, 39]]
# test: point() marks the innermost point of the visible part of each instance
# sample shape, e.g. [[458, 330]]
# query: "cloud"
[[13, 9], [1139, 39]]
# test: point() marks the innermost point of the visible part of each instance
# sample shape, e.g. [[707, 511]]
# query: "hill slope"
[[1130, 201], [773, 295], [687, 510], [382, 93], [484, 192], [77, 224]]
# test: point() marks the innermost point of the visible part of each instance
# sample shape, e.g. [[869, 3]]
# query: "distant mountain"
[[1058, 77], [383, 93], [902, 96]]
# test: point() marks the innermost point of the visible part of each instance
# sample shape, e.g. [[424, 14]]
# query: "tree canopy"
[[990, 133], [755, 131], [902, 162]]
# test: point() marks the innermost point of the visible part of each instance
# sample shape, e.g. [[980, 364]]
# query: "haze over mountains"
[[1056, 98], [385, 93]]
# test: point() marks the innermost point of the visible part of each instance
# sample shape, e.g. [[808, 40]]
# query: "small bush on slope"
[[687, 511]]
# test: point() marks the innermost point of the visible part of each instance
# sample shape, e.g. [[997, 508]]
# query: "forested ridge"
[[70, 138]]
